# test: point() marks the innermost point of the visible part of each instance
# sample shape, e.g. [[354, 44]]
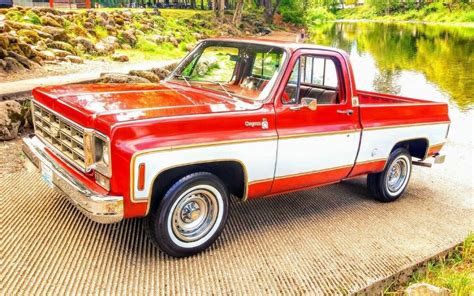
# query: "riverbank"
[[433, 13]]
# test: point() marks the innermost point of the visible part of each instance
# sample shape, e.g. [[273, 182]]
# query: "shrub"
[[318, 15]]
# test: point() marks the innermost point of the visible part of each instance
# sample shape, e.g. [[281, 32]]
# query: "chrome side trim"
[[97, 207]]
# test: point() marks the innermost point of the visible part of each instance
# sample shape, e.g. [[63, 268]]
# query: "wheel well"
[[416, 147], [232, 174]]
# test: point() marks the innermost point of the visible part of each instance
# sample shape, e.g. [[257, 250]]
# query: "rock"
[[4, 41], [26, 49], [189, 47], [63, 46], [125, 46], [49, 21], [60, 53], [120, 57], [111, 41], [10, 119], [129, 37], [423, 289], [58, 34], [74, 59], [174, 41], [41, 45], [22, 60], [103, 48], [88, 45], [47, 55], [78, 30], [158, 39], [161, 72], [121, 78], [31, 34], [148, 75]]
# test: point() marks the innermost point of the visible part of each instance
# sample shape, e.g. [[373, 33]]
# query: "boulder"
[[161, 72], [4, 41], [423, 289], [74, 59], [129, 37], [26, 49], [49, 21], [103, 48], [148, 75], [63, 46], [10, 119], [112, 41], [60, 53], [57, 34], [31, 34], [120, 57], [88, 45], [3, 53], [22, 60], [121, 78]]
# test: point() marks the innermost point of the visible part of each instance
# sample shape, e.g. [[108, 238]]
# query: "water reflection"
[[434, 62]]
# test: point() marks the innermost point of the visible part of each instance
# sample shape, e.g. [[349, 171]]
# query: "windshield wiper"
[[218, 83], [182, 77]]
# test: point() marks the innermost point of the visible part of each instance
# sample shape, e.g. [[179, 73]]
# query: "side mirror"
[[310, 103]]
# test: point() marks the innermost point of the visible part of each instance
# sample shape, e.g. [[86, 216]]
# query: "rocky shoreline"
[[32, 37]]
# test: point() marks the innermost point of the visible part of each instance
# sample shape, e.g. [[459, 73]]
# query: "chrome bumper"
[[97, 207]]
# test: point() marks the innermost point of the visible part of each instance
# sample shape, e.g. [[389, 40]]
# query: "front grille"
[[66, 137]]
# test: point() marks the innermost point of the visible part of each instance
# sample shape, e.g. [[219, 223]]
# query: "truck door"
[[315, 145]]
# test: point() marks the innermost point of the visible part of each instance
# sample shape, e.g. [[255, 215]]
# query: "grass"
[[454, 272]]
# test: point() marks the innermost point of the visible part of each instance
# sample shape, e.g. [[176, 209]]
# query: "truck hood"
[[107, 104]]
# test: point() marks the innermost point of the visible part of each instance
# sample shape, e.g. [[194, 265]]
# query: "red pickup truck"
[[247, 118]]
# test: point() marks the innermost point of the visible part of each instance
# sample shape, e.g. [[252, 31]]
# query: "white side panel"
[[258, 158], [314, 153], [378, 143]]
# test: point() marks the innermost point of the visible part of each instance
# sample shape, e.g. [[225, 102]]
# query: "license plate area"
[[47, 175]]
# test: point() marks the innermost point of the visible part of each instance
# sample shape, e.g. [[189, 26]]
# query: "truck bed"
[[378, 110]]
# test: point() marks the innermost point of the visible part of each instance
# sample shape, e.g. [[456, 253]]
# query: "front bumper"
[[99, 208]]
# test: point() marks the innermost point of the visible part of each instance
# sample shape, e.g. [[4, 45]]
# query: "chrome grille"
[[61, 134]]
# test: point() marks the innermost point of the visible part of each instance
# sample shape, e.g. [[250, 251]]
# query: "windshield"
[[234, 69]]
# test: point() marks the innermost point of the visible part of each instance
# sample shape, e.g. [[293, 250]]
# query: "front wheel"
[[390, 184], [191, 215]]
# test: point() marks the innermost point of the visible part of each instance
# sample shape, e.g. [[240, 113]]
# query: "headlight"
[[102, 155]]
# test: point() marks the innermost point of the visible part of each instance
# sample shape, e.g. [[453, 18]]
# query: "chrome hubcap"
[[194, 215], [397, 175]]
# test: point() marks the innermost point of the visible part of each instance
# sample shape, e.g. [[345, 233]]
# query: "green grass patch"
[[455, 271], [146, 50]]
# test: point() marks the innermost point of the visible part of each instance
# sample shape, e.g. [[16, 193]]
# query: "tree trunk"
[[220, 8], [238, 12]]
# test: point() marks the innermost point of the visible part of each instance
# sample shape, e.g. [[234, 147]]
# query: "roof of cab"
[[292, 46]]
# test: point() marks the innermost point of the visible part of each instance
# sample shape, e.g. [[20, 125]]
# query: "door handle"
[[348, 112]]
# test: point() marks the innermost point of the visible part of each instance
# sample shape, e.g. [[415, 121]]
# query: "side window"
[[319, 79]]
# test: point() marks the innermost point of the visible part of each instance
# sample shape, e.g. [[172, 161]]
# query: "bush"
[[292, 16], [318, 15]]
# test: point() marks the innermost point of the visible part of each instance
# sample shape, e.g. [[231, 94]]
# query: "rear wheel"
[[191, 215], [390, 184]]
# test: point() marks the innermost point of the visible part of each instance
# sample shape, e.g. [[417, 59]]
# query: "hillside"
[[31, 37]]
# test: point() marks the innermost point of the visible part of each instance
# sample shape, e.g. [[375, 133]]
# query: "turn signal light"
[[102, 180], [141, 176]]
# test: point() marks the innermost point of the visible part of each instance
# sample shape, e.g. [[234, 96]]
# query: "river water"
[[431, 62]]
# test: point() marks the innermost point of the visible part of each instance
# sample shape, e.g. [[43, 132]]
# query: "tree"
[[238, 12], [270, 9]]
